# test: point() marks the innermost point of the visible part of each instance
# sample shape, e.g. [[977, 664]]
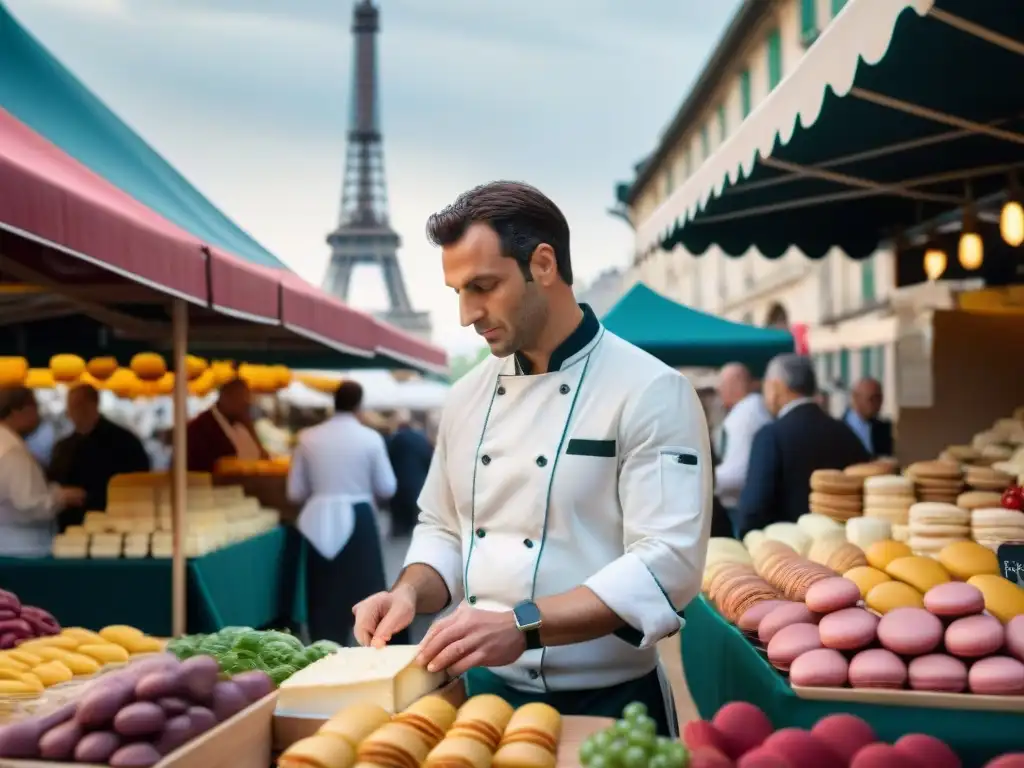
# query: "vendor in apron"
[[224, 431], [567, 509]]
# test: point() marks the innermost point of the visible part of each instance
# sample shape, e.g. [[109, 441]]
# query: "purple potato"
[[201, 675], [59, 743], [157, 685], [20, 739], [97, 747], [161, 662], [7, 613], [138, 755], [8, 640], [10, 601], [178, 731], [143, 718], [103, 700], [57, 717], [255, 684], [228, 700], [19, 627], [173, 706], [202, 720]]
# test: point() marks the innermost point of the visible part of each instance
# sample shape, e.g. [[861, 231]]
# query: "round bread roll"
[[866, 578], [819, 668], [877, 668], [937, 672], [910, 631]]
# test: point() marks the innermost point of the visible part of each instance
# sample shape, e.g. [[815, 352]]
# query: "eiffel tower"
[[363, 234]]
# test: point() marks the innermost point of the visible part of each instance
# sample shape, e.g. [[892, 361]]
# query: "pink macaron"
[[789, 642], [782, 616], [1015, 637], [997, 676], [975, 636], [877, 668], [938, 673], [819, 668], [954, 599], [849, 629], [832, 594], [751, 618], [910, 631]]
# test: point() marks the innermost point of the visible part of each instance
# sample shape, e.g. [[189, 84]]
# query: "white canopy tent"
[[382, 392]]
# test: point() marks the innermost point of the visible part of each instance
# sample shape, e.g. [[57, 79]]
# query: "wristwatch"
[[529, 622]]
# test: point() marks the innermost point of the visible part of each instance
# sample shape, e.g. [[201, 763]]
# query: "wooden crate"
[[244, 741]]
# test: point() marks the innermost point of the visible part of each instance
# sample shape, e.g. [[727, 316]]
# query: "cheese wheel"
[[922, 573], [890, 595], [965, 559], [881, 553], [865, 531], [866, 578], [1003, 599]]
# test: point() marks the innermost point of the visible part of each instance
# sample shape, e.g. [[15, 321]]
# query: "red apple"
[[1013, 498]]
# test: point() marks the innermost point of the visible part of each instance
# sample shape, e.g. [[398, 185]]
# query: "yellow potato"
[[53, 641], [80, 664], [25, 657], [27, 678], [82, 635], [49, 653], [145, 645], [53, 673], [7, 662], [104, 652], [17, 688], [120, 634]]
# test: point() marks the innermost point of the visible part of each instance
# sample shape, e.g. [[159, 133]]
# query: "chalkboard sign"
[[1011, 561]]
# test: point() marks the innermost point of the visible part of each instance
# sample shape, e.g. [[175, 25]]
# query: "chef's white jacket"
[[28, 504], [597, 473]]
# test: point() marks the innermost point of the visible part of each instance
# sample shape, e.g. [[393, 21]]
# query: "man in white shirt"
[[569, 499], [339, 469], [746, 415], [28, 505]]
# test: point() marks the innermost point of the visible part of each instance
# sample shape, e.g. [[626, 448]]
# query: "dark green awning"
[[684, 337], [894, 109]]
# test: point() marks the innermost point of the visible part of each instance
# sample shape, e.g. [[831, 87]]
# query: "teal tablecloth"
[[238, 585], [721, 665]]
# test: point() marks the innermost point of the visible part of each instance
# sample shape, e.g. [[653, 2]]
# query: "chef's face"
[[494, 296]]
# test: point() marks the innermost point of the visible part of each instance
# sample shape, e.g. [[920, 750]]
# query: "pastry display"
[[940, 481], [992, 526], [836, 494], [933, 525], [889, 498], [987, 478]]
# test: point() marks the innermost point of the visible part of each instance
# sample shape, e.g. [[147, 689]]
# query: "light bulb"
[[1011, 223], [934, 263], [970, 251]]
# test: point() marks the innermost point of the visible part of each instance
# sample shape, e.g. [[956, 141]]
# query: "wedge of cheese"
[[388, 677]]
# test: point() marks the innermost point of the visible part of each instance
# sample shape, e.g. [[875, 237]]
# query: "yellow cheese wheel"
[[866, 578], [922, 573], [1003, 599], [890, 595], [965, 559], [881, 553]]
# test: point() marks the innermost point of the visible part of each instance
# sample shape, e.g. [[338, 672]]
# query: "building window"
[[837, 6], [705, 143], [867, 355], [880, 363], [830, 370], [867, 281], [669, 181], [808, 21], [844, 367], [723, 126], [746, 97], [774, 42]]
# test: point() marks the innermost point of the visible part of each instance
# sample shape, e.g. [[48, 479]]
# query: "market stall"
[[680, 336]]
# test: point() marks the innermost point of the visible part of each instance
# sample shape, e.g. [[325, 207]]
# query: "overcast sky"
[[249, 99]]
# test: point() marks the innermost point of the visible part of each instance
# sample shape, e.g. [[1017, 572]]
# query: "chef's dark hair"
[[522, 216], [14, 399], [348, 397]]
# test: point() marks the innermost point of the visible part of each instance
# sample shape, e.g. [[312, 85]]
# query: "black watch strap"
[[532, 639]]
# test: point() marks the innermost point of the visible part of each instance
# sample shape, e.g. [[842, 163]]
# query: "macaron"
[[997, 676], [954, 599], [791, 641], [975, 636], [783, 616], [849, 629], [920, 572], [938, 673], [866, 577], [877, 668], [891, 595], [751, 618], [965, 559], [819, 668], [832, 594], [1015, 637], [910, 631], [881, 553]]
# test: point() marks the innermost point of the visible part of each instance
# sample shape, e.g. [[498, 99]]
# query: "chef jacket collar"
[[585, 333]]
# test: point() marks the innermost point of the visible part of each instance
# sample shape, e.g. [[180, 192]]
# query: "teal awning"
[[684, 337], [894, 110]]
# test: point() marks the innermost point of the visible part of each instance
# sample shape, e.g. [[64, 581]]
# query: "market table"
[[237, 585], [721, 665]]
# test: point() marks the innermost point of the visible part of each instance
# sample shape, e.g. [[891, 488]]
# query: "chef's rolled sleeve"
[[436, 540], [665, 490]]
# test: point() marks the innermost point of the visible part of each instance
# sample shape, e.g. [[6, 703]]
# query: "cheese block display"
[[388, 677], [240, 649], [136, 716], [836, 495], [631, 741]]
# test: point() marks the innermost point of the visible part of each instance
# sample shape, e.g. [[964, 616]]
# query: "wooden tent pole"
[[179, 470]]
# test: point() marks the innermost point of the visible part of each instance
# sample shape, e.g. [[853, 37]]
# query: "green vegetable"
[[281, 673], [283, 637]]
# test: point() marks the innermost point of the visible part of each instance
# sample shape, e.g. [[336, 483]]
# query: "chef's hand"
[[380, 616], [471, 638]]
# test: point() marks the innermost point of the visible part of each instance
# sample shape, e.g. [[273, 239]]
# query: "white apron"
[[246, 447], [328, 521]]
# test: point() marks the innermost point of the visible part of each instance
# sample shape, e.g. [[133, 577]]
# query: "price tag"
[[1011, 561]]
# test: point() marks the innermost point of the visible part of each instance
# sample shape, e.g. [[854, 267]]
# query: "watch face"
[[527, 615]]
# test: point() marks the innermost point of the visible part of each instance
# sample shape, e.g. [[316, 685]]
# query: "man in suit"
[[410, 453], [862, 417], [785, 452], [224, 430]]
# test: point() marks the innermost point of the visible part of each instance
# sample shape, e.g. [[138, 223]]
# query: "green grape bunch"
[[632, 742]]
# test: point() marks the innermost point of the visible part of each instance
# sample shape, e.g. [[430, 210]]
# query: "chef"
[[567, 508]]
